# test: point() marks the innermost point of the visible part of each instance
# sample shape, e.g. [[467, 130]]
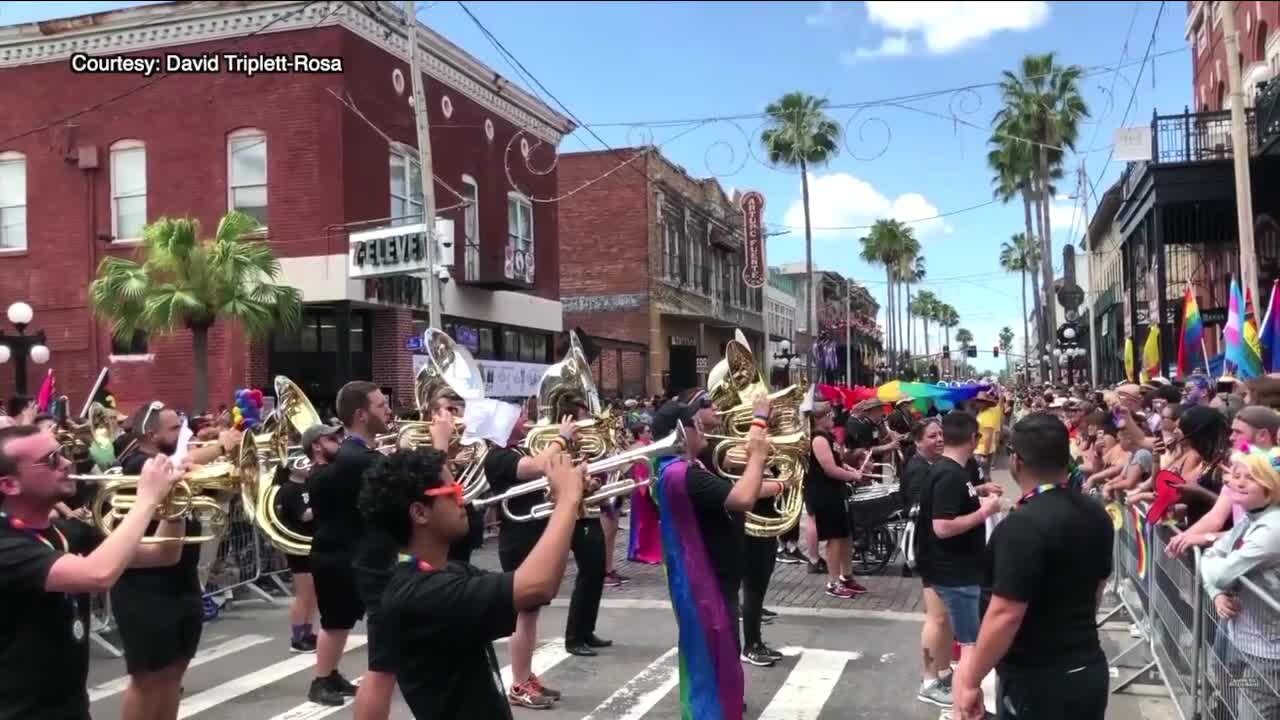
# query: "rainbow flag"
[[1241, 336], [711, 679], [1151, 354], [1190, 342], [1270, 339], [1128, 359], [1140, 541]]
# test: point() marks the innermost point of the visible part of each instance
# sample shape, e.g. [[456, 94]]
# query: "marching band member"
[[448, 613], [334, 489], [701, 516], [47, 568], [158, 610], [505, 467]]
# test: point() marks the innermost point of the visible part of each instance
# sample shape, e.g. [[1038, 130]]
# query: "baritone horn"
[[203, 493], [733, 384], [612, 466], [294, 413]]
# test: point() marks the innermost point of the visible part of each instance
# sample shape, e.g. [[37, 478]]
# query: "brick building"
[[90, 158], [841, 302], [651, 266], [1259, 50]]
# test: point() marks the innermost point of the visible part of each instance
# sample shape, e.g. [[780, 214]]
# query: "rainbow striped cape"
[[711, 678]]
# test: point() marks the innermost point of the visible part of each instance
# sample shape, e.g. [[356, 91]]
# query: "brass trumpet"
[[672, 444]]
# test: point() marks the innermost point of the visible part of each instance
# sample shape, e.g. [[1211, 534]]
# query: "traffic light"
[[971, 352], [995, 351]]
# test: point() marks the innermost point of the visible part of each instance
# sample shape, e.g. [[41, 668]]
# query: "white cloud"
[[842, 200], [1064, 216], [826, 14], [951, 26], [891, 46]]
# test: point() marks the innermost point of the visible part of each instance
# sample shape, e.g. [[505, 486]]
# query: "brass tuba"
[[599, 435], [732, 384], [449, 369], [204, 493], [100, 428]]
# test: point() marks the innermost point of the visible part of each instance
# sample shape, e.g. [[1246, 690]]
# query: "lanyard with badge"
[[1037, 490], [77, 625]]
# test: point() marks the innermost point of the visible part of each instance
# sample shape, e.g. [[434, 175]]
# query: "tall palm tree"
[[947, 319], [886, 244], [801, 135], [911, 269], [965, 338], [1006, 341], [1043, 104], [185, 282], [1021, 255], [925, 307]]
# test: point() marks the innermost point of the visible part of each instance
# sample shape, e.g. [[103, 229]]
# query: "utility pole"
[[1240, 153], [424, 161], [1092, 299], [848, 334]]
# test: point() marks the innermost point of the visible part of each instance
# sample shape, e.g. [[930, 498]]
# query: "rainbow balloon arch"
[[944, 396]]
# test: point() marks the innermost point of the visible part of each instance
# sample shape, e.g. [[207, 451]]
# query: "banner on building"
[[502, 378], [754, 272]]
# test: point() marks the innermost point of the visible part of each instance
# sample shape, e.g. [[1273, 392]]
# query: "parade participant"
[[827, 485], [900, 423], [320, 445], [47, 569], [448, 613], [645, 544], [158, 610], [757, 568], [339, 535], [702, 530], [951, 526], [864, 429], [990, 420], [505, 467], [1040, 628]]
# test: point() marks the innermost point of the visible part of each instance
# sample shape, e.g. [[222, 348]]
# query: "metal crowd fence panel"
[[1241, 678]]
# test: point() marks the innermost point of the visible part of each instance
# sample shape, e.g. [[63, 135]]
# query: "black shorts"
[[336, 595], [831, 516], [299, 564], [157, 629], [516, 541]]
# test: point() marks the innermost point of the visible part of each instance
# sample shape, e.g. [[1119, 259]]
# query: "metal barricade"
[[1241, 679], [1175, 612], [102, 622], [238, 559]]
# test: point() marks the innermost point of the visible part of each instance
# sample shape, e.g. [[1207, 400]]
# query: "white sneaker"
[[935, 694]]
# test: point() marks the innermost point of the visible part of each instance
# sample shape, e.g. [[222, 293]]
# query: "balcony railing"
[[1197, 137], [1268, 112]]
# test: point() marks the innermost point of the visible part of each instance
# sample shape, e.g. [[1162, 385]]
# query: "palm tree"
[[886, 244], [925, 307], [1006, 341], [965, 338], [947, 318], [1022, 256], [801, 135], [911, 270], [1043, 105], [185, 282]]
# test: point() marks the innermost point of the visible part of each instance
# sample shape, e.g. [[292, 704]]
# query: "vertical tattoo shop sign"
[[753, 271]]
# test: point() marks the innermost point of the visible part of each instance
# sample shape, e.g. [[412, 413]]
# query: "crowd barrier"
[[1212, 668]]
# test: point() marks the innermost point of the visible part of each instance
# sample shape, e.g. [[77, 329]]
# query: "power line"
[[1124, 52], [905, 222]]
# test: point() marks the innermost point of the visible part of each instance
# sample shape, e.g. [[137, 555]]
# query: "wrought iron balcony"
[[1197, 137], [1268, 115]]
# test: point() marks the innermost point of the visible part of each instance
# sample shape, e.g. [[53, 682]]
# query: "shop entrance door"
[[684, 368]]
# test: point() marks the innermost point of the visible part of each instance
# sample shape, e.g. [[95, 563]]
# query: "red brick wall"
[[391, 364], [326, 167], [1255, 22]]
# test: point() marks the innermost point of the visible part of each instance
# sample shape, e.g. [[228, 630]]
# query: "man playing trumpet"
[[48, 567]]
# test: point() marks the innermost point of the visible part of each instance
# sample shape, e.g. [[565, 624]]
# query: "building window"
[[520, 236], [247, 173], [13, 201], [128, 189], [136, 345], [406, 185], [471, 228]]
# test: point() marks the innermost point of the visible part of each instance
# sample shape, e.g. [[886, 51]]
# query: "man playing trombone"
[[48, 567]]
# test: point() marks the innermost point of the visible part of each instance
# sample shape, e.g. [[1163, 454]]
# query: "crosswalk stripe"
[[249, 682], [209, 654], [315, 711], [545, 656], [642, 692], [808, 685]]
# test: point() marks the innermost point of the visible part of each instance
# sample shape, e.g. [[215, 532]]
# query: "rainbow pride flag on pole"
[[1128, 359], [712, 686], [1270, 338], [1151, 354], [1243, 350], [1192, 335]]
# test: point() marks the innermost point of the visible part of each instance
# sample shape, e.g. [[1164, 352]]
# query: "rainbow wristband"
[[762, 417]]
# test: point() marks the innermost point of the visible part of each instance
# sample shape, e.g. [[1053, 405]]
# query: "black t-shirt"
[[954, 561], [335, 495], [723, 532], [861, 433], [446, 621], [501, 470], [292, 502], [44, 653], [914, 477], [180, 579], [1052, 553]]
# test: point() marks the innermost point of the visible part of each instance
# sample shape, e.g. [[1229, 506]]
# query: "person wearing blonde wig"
[[1251, 550]]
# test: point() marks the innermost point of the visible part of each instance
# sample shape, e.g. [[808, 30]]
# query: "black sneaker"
[[303, 645], [341, 684], [769, 651], [818, 568], [799, 556], [785, 557], [323, 693], [755, 655], [766, 612]]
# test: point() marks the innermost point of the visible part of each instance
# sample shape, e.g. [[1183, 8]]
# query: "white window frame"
[[514, 238], [412, 169], [12, 157], [127, 146], [232, 185], [471, 229]]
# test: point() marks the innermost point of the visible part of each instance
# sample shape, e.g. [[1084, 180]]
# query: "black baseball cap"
[[671, 413]]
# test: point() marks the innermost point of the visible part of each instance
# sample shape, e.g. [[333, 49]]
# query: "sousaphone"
[[450, 370]]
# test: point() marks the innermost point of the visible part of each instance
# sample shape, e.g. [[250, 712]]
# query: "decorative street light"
[[22, 346]]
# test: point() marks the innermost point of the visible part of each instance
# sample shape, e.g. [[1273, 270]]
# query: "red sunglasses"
[[452, 488]]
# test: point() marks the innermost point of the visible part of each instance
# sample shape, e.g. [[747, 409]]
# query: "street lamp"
[[22, 346]]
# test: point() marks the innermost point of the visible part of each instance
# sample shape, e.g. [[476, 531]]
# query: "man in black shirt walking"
[[1045, 569]]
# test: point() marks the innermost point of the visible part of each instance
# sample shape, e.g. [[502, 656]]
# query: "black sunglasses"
[[53, 460]]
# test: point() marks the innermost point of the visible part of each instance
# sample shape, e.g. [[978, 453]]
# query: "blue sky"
[[620, 63]]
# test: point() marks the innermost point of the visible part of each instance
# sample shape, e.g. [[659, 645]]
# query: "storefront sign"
[[680, 341], [398, 250], [753, 270], [413, 343], [1133, 144], [701, 364], [405, 290], [601, 303], [502, 379]]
